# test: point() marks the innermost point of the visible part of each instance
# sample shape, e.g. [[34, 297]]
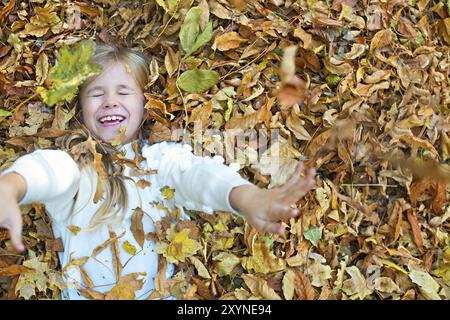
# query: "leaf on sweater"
[[167, 192], [137, 227], [126, 287], [74, 230], [129, 248]]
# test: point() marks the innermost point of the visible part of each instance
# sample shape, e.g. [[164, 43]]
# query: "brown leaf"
[[137, 227], [14, 270], [115, 251], [303, 287], [417, 236]]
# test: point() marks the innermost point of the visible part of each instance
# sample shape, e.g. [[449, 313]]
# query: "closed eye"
[[97, 95], [124, 93]]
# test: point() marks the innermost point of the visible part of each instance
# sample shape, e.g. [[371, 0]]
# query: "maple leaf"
[[179, 248], [126, 287], [72, 68]]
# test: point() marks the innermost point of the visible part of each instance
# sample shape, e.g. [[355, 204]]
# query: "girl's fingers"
[[15, 231], [273, 228], [294, 179], [298, 191]]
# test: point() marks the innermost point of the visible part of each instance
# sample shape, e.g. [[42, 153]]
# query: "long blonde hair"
[[115, 196]]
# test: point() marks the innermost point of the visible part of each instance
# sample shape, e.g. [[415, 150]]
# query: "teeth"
[[111, 118]]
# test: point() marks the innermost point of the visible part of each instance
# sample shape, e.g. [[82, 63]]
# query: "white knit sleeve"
[[200, 183], [51, 176]]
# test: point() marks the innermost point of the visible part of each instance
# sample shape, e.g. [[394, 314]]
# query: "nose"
[[110, 102]]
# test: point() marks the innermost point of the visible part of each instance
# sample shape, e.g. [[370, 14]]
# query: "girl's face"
[[113, 100]]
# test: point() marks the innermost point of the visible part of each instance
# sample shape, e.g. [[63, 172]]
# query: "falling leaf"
[[72, 67]]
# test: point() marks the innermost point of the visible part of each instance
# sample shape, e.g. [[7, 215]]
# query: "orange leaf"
[[417, 236]]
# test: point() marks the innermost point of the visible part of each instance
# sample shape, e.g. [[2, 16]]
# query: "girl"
[[70, 190]]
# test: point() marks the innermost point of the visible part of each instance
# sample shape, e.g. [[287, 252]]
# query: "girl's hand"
[[265, 208], [12, 189]]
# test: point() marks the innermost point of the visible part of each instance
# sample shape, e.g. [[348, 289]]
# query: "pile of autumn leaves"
[[351, 242]]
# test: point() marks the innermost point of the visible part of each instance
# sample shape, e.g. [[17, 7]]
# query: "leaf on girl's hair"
[[197, 80], [129, 248], [313, 234], [126, 287], [137, 227], [74, 230], [71, 69], [167, 192]]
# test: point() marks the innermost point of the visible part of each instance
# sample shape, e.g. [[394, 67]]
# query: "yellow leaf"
[[167, 192], [202, 271], [179, 248], [129, 248], [74, 229], [288, 284], [126, 287], [118, 139], [40, 23], [224, 263]]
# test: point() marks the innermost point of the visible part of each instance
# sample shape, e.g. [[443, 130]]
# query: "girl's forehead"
[[115, 74]]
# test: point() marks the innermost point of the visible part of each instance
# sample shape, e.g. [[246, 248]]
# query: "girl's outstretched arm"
[[12, 189], [264, 208]]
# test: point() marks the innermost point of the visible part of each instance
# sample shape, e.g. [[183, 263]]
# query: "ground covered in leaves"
[[358, 89]]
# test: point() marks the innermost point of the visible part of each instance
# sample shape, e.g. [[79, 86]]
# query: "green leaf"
[[5, 113], [229, 109], [73, 66], [190, 29], [202, 39], [196, 80], [313, 234]]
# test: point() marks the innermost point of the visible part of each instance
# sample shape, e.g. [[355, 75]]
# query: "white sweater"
[[53, 178]]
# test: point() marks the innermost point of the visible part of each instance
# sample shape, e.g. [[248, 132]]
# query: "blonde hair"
[[115, 197]]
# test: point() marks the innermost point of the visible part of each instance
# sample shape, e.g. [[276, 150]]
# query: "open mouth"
[[111, 120]]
